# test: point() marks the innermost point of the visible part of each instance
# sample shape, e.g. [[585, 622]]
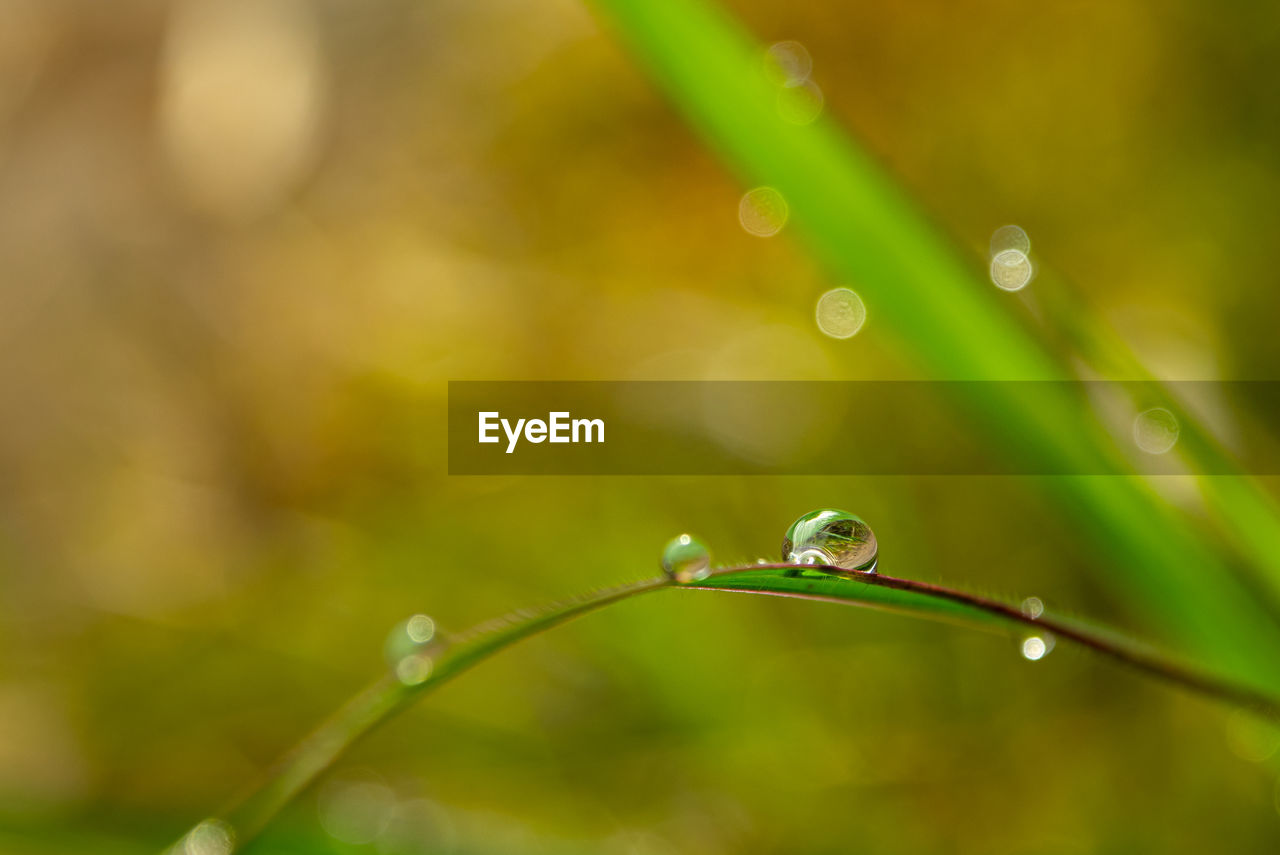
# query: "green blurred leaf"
[[867, 232]]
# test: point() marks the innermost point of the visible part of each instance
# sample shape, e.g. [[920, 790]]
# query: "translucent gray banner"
[[862, 428]]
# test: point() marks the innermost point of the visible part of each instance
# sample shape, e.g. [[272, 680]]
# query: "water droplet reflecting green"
[[686, 559], [833, 537]]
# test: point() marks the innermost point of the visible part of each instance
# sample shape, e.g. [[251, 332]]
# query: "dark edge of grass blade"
[[386, 697]]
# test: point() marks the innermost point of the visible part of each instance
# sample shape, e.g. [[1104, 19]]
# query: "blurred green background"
[[245, 243]]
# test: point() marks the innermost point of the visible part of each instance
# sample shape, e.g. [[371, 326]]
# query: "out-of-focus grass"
[[865, 229]]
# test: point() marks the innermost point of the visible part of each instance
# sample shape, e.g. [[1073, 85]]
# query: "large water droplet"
[[832, 537], [686, 559]]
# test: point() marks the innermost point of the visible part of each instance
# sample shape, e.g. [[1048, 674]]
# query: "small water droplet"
[[832, 537], [840, 313], [1010, 237], [763, 212], [210, 837], [1036, 647], [1032, 607], [1011, 270], [408, 637], [788, 63], [1156, 430], [408, 649], [686, 559]]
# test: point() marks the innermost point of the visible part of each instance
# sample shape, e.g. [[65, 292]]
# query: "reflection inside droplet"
[[763, 212], [831, 537], [840, 313], [1156, 430]]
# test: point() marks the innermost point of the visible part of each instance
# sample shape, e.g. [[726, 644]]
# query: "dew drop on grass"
[[1011, 269], [407, 649], [840, 313], [1155, 430], [1033, 607], [686, 559], [832, 537], [763, 212]]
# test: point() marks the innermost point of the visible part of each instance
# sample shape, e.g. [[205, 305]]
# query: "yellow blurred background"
[[245, 243]]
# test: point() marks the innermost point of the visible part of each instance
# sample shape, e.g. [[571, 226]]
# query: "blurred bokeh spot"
[[243, 86]]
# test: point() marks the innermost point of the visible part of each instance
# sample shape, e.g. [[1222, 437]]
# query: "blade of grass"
[[864, 229], [1240, 506], [387, 696]]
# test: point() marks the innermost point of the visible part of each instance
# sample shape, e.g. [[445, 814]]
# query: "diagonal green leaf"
[[866, 230]]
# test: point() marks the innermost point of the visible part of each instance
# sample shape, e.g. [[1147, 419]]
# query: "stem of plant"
[[249, 814]]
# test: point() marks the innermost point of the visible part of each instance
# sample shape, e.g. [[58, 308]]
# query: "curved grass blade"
[[387, 696], [832, 585]]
